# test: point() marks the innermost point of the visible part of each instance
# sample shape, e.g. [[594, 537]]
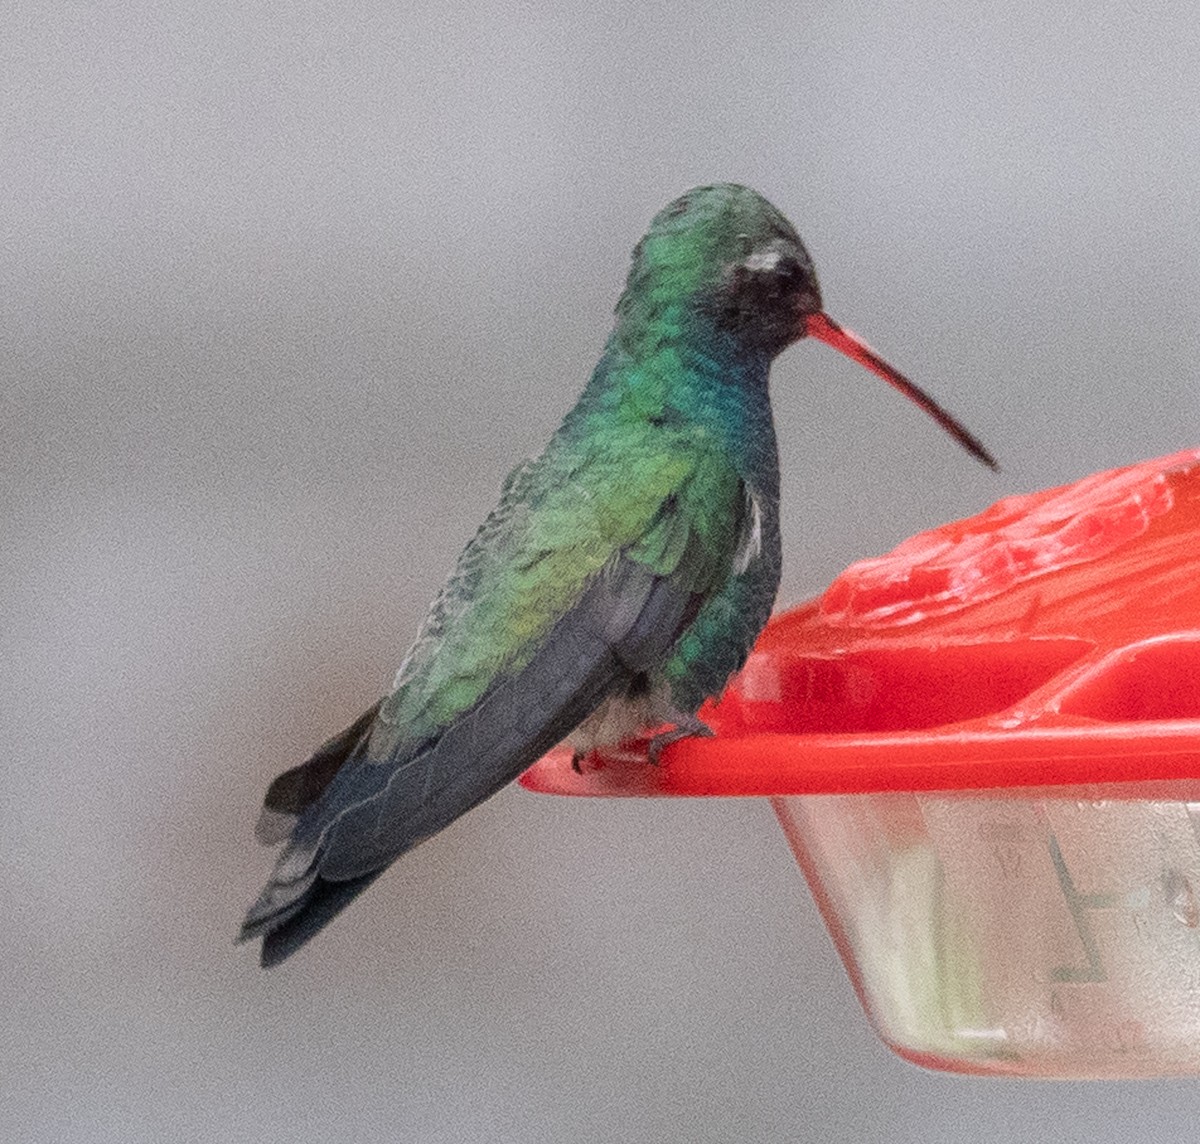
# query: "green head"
[[720, 266], [722, 260]]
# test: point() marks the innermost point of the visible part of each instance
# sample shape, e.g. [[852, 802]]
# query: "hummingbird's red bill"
[[822, 327]]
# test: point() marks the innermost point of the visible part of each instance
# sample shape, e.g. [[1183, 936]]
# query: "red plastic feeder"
[[984, 749]]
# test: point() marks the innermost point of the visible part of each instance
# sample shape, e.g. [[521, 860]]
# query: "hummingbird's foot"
[[577, 758], [686, 727]]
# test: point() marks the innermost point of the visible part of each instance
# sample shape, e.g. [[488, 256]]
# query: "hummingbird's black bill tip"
[[822, 327]]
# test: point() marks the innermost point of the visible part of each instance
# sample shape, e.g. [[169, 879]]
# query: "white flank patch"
[[750, 546]]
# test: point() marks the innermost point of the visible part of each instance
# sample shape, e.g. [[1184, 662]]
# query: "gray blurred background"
[[284, 291]]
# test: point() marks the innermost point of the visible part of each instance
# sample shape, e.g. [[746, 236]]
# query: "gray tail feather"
[[324, 901], [294, 791]]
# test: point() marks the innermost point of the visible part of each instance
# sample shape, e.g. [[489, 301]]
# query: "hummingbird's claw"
[[686, 727]]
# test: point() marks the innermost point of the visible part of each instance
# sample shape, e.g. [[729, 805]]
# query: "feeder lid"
[[1052, 640]]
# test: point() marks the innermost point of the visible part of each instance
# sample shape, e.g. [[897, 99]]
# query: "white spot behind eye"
[[762, 260]]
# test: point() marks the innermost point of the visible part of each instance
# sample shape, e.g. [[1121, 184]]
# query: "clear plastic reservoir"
[[1048, 936]]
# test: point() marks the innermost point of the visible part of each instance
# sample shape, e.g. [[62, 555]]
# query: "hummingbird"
[[618, 584]]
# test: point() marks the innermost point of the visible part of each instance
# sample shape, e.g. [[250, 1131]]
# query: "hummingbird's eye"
[[760, 296], [774, 270], [770, 273], [790, 271]]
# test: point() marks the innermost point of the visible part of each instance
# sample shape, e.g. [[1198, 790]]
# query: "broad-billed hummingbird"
[[620, 581]]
